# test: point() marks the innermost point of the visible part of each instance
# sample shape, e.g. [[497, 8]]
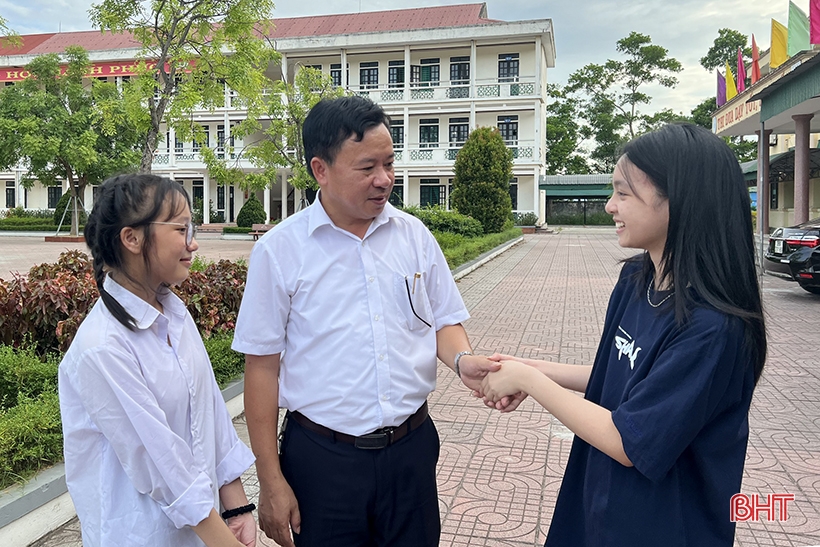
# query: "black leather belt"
[[372, 441]]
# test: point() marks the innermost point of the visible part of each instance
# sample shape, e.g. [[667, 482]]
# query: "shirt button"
[[370, 279], [376, 318], [384, 397], [381, 357]]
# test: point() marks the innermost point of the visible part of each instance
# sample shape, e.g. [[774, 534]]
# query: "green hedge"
[[227, 363], [24, 375], [459, 250], [438, 219], [235, 230], [31, 438]]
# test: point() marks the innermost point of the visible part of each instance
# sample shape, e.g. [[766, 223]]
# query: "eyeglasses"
[[190, 230]]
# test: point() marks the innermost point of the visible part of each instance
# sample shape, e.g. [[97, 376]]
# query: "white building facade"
[[438, 72]]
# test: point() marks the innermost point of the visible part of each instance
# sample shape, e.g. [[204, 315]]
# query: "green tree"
[[564, 134], [481, 187], [191, 49], [282, 146], [725, 49], [744, 149], [613, 93], [252, 212], [8, 38], [62, 128]]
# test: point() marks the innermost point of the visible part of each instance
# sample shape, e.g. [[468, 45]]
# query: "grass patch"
[[459, 250]]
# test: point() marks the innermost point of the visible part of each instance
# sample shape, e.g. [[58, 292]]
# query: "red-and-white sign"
[[736, 115], [98, 70]]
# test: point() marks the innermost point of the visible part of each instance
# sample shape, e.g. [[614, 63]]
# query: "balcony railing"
[[447, 90], [436, 153], [189, 156]]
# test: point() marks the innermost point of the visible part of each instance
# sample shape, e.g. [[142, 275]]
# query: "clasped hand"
[[475, 371]]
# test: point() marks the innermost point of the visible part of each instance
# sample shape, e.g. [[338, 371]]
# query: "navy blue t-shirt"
[[680, 399]]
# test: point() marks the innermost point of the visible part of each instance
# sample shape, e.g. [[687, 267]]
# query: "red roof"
[[292, 27]]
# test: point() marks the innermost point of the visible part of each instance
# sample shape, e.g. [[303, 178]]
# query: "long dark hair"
[[133, 200], [709, 246]]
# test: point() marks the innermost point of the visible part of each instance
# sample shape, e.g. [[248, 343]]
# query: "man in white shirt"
[[346, 307]]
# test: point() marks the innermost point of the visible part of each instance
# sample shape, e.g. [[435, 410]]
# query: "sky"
[[585, 30]]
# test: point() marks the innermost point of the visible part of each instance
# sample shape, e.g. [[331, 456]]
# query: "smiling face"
[[641, 216], [170, 257], [357, 185]]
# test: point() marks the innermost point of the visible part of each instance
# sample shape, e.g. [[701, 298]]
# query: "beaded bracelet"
[[238, 511]]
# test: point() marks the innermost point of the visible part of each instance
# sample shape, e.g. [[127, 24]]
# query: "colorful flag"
[[798, 30], [741, 72], [731, 90], [780, 39], [721, 90], [756, 61], [814, 21]]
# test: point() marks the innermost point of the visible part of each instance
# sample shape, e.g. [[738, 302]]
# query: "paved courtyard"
[[546, 298]]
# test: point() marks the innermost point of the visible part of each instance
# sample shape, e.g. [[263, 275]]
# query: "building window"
[[206, 139], [178, 145], [220, 197], [54, 195], [397, 132], [460, 70], [508, 126], [336, 74], [459, 131], [395, 73], [11, 202], [514, 193], [426, 73], [197, 191], [774, 191], [317, 67], [428, 133], [397, 196], [508, 67], [431, 193], [369, 75]]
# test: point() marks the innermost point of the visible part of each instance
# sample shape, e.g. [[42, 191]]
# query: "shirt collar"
[[144, 314], [318, 217]]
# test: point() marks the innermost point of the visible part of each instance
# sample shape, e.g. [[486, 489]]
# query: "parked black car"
[[794, 253]]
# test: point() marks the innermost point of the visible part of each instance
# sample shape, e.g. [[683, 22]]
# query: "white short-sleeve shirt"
[[148, 439], [354, 320]]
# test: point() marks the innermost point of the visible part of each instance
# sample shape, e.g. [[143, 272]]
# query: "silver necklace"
[[659, 304]]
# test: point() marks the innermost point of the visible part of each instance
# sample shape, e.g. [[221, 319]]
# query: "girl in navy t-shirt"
[[661, 432]]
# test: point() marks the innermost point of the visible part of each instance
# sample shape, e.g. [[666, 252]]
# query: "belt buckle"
[[376, 440]]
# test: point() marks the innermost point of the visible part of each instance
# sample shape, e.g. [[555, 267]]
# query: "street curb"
[[30, 511]]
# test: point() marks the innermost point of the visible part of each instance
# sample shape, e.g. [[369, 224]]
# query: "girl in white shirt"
[[150, 450]]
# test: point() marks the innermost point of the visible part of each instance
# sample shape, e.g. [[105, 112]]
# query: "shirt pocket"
[[411, 297]]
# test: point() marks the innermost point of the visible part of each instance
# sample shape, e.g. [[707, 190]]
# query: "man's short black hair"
[[332, 121]]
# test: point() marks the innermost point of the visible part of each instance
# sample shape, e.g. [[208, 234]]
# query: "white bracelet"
[[459, 355]]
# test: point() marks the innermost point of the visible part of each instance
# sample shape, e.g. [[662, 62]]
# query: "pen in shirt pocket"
[[415, 277]]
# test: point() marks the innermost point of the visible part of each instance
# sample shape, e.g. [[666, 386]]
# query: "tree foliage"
[[725, 49], [481, 187], [61, 128], [744, 149], [281, 126], [8, 38], [613, 93], [190, 50], [252, 212], [564, 134]]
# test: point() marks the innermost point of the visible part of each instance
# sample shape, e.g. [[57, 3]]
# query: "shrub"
[[61, 207], [20, 212], [214, 294], [439, 220], [461, 253], [227, 363], [23, 374], [525, 219], [49, 304], [31, 437], [481, 187], [252, 212]]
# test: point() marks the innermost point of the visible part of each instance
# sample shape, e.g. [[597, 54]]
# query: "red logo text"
[[750, 507]]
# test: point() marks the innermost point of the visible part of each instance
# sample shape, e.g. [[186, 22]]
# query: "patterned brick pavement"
[[546, 298]]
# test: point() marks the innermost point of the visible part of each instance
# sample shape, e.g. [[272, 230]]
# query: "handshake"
[[502, 381]]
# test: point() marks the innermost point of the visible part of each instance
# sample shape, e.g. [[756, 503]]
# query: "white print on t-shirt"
[[626, 346]]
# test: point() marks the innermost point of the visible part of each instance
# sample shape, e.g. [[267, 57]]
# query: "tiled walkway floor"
[[546, 298]]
